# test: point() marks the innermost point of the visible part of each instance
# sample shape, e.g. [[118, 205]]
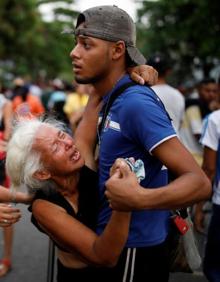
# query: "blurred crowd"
[[64, 100]]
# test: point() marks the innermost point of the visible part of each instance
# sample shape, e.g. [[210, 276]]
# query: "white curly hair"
[[22, 161]]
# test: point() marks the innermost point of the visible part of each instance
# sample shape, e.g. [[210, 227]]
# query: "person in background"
[[172, 99], [196, 110], [211, 165], [17, 83], [75, 104], [57, 101], [32, 102]]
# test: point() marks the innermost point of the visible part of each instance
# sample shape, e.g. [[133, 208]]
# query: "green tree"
[[186, 30], [30, 45], [20, 32]]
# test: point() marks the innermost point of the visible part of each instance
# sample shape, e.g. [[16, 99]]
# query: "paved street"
[[30, 255], [29, 252]]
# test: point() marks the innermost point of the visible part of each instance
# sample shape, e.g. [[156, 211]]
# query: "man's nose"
[[74, 53], [71, 53]]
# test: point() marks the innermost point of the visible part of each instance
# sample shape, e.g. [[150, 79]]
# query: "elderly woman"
[[48, 160]]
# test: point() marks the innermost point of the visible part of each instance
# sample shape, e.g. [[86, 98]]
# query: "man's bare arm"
[[191, 184]]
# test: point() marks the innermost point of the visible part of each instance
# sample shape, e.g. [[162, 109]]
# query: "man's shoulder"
[[137, 92], [215, 113], [140, 101], [215, 116]]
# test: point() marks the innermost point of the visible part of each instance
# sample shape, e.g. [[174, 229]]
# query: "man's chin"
[[82, 80], [87, 80]]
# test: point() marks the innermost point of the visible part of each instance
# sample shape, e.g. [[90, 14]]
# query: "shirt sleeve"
[[144, 120], [210, 136]]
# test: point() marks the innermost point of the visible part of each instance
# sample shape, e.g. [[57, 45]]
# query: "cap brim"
[[136, 56]]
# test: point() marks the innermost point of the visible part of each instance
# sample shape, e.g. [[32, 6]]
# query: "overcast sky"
[[128, 5]]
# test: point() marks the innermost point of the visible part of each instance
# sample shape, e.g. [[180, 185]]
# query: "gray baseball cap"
[[112, 24]]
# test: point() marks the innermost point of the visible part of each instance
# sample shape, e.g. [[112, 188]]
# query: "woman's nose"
[[68, 142]]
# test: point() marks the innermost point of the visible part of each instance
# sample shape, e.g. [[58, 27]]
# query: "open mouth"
[[75, 156], [76, 67]]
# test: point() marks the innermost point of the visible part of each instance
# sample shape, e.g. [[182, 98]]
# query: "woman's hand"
[[143, 74], [8, 215], [120, 162]]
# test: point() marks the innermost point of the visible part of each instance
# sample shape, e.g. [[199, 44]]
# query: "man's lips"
[[76, 67]]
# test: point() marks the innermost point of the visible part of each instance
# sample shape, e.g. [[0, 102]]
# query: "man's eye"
[[86, 45]]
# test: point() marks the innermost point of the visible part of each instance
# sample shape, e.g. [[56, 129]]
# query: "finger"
[[107, 194], [124, 170], [4, 205], [116, 174], [118, 161], [132, 160], [12, 216], [116, 165], [154, 77], [108, 199], [5, 225], [113, 168], [137, 78], [150, 76], [9, 210], [5, 222]]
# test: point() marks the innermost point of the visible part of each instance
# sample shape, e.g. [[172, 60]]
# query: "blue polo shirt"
[[137, 123]]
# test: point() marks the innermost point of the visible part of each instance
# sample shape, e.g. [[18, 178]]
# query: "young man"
[[136, 126]]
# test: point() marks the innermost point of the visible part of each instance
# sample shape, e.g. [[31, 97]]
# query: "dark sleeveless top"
[[87, 200]]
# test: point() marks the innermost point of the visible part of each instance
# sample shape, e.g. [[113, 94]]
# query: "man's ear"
[[42, 175], [118, 50]]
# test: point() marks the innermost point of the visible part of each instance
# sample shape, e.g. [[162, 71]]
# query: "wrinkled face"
[[58, 151], [91, 59], [208, 92]]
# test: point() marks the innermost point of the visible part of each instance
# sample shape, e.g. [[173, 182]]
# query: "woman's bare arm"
[[85, 134], [76, 237], [8, 196]]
